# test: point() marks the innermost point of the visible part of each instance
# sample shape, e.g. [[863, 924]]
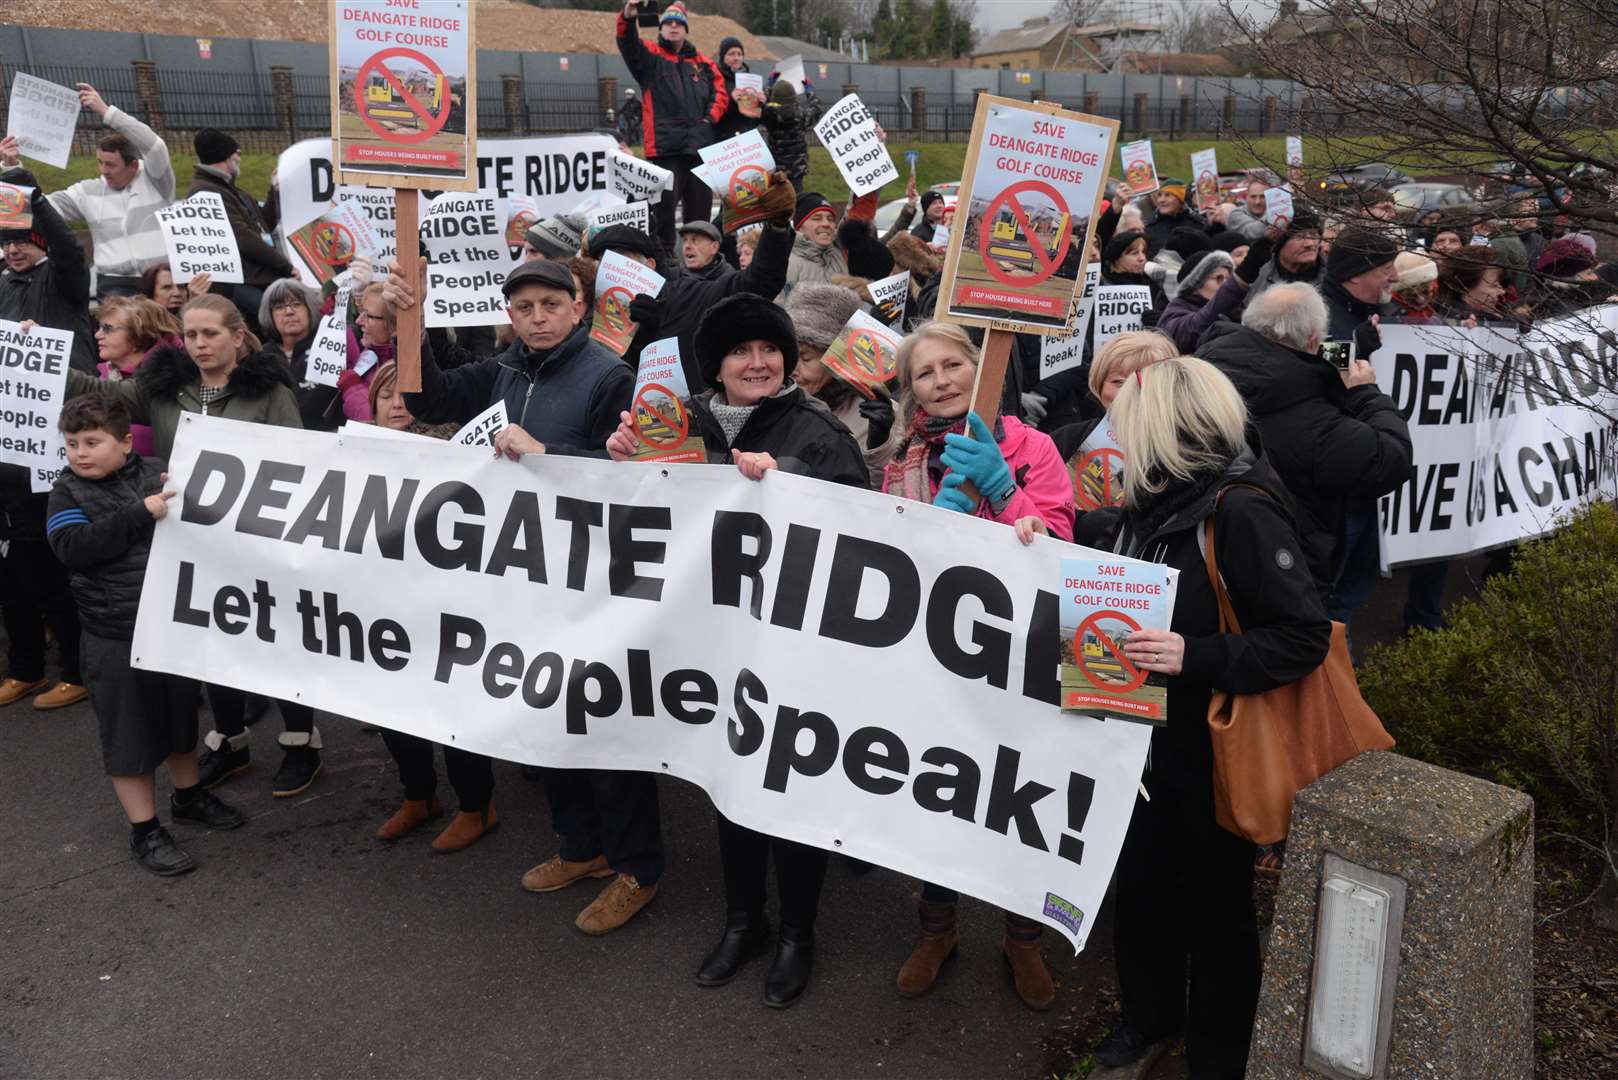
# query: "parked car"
[[1339, 184], [1415, 201]]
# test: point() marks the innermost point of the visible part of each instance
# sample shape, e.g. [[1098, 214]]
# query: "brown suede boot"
[[937, 943], [411, 815], [466, 829], [1028, 971]]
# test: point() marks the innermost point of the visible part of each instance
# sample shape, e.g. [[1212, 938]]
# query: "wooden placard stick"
[[407, 235], [990, 384]]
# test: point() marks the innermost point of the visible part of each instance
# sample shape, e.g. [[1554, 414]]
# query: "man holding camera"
[[682, 97]]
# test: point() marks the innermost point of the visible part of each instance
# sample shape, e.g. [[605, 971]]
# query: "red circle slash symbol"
[[12, 201], [332, 243], [1092, 624], [1138, 175], [432, 122], [1048, 263], [517, 229], [614, 308], [653, 422], [747, 185], [1098, 479]]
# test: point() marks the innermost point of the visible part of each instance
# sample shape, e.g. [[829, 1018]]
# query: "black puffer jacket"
[[320, 407], [54, 292], [1159, 229], [792, 427], [733, 123], [102, 532], [1285, 631], [688, 296], [683, 94], [1328, 443]]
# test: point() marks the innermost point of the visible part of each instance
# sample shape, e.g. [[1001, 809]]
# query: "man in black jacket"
[[682, 97], [45, 278], [1335, 439], [219, 164]]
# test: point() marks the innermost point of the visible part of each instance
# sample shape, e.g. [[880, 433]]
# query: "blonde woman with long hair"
[[1181, 425]]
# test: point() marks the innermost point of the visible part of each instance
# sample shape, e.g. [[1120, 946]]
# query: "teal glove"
[[951, 497], [979, 459]]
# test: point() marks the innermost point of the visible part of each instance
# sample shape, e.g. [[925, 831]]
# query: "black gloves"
[[878, 414], [1258, 253], [645, 313], [1367, 340]]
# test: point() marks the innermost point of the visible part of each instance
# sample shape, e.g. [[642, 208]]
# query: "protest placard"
[[482, 428], [637, 215], [940, 240], [1119, 308], [848, 131], [328, 353], [865, 354], [1059, 353], [790, 70], [1097, 468], [467, 259], [200, 240], [32, 391], [698, 631], [749, 94], [522, 214], [404, 92], [619, 279], [738, 171], [1140, 168], [891, 294], [1205, 177], [1294, 150], [661, 419], [1032, 189], [634, 180], [1510, 431], [43, 117], [325, 246], [1104, 601], [1277, 207], [16, 207]]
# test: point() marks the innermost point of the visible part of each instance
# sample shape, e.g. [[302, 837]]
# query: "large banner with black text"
[[870, 676], [1511, 430]]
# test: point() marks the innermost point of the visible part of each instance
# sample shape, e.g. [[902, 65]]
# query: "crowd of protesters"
[[1222, 399]]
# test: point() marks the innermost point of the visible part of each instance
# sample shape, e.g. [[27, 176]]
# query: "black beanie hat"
[[739, 318], [1187, 240], [808, 203], [1357, 250], [622, 238], [1229, 240], [213, 146], [1118, 245], [930, 197], [727, 44]]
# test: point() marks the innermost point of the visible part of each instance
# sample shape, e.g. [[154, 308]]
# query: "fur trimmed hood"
[[912, 254], [169, 369]]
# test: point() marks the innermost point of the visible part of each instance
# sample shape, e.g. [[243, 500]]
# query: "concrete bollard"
[[1455, 1000]]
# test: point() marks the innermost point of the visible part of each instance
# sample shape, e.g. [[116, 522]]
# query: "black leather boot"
[[746, 933], [789, 971]]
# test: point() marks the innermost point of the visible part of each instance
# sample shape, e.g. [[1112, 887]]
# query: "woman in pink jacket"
[[129, 329], [1023, 482]]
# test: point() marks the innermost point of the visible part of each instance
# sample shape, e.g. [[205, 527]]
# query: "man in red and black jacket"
[[682, 97]]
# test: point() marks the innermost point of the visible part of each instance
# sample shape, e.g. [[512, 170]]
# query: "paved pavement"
[[304, 947]]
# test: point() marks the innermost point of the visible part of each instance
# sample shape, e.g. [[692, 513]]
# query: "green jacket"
[[168, 384]]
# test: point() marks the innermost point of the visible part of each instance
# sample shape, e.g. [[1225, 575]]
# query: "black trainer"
[[206, 808], [216, 766], [1125, 1045], [158, 852], [298, 770]]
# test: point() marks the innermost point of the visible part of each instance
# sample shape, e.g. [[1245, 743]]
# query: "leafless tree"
[[1190, 26]]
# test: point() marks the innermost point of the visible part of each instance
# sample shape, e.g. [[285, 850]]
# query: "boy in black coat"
[[101, 517]]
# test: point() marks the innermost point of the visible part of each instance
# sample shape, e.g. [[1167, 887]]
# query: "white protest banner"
[[1033, 184], [328, 353], [662, 421], [1294, 150], [637, 215], [738, 171], [364, 430], [200, 239], [790, 70], [619, 279], [43, 117], [31, 397], [482, 428], [467, 259], [1061, 353], [849, 134], [634, 180], [1277, 207], [864, 354], [1509, 431], [1205, 177], [749, 94], [1104, 601], [1119, 308], [404, 106], [691, 635], [890, 295], [1140, 169]]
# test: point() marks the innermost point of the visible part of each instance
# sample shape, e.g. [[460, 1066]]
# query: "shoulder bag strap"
[[1228, 623]]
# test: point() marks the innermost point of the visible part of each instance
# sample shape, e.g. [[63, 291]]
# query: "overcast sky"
[[999, 14]]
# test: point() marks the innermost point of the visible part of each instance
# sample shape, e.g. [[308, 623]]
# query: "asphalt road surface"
[[303, 947]]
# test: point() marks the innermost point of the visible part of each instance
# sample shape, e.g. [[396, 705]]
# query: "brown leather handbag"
[[1269, 746]]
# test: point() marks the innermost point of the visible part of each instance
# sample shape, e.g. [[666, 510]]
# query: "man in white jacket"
[[120, 206]]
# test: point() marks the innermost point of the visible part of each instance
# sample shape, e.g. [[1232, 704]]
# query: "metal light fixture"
[[1356, 967]]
